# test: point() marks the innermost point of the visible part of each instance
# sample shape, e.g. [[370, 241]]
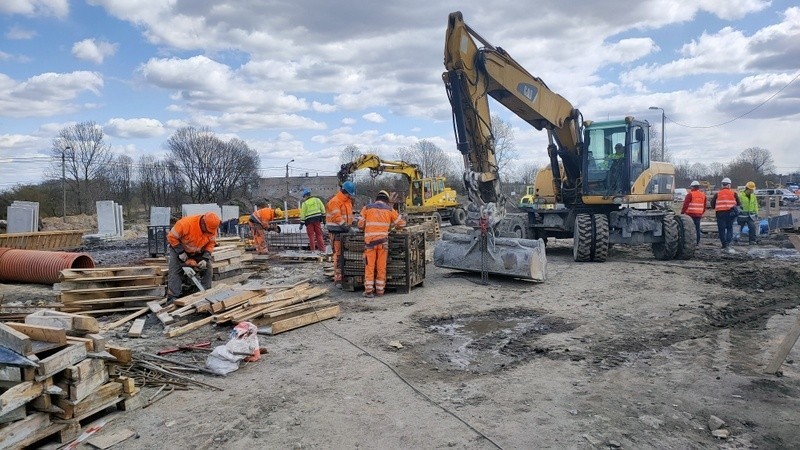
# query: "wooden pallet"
[[405, 267], [110, 288], [43, 240]]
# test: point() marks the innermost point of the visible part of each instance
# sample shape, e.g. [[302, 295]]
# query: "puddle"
[[490, 341]]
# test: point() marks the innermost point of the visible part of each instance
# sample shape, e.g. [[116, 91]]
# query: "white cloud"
[[57, 8], [348, 121], [373, 117], [16, 33], [322, 107], [93, 51], [134, 128], [46, 94]]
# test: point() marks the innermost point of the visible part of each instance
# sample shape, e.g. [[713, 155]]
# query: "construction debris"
[[57, 375], [109, 290]]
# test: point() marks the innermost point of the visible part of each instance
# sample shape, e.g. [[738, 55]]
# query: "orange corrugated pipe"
[[38, 266]]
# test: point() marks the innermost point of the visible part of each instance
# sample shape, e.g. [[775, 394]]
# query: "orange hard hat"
[[211, 221]]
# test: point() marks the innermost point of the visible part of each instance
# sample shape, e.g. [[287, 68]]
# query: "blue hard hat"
[[306, 192], [349, 187]]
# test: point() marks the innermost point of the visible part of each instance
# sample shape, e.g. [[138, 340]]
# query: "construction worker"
[[726, 205], [749, 212], [312, 216], [191, 242], [339, 218], [260, 223], [376, 220], [694, 205]]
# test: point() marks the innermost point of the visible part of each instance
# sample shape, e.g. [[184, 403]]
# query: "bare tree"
[[349, 154], [215, 171], [160, 184], [505, 151], [759, 158], [120, 179], [526, 173], [85, 157], [430, 158]]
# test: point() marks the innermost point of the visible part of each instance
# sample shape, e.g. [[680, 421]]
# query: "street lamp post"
[[663, 122], [64, 184], [285, 202]]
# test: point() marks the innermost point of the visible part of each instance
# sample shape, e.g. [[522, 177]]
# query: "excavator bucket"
[[518, 258]]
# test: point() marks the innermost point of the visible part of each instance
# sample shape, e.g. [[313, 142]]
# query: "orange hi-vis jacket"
[[376, 219], [726, 200], [187, 236], [695, 204], [339, 211], [263, 217]]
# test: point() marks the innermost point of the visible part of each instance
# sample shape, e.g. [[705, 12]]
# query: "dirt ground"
[[630, 353]]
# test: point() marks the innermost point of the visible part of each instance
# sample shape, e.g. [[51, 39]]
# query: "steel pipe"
[[37, 266]]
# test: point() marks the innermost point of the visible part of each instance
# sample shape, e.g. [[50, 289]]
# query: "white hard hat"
[[695, 183], [726, 180]]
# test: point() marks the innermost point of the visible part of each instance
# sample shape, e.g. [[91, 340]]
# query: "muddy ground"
[[631, 353]]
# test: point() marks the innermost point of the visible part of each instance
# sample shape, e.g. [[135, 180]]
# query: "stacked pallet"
[[43, 240], [428, 224], [56, 378], [405, 267], [278, 308], [109, 290], [228, 261]]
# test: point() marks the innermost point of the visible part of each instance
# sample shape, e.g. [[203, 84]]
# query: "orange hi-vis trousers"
[[259, 236], [336, 245], [375, 268]]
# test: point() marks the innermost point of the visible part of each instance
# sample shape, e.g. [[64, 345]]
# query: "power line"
[[741, 115]]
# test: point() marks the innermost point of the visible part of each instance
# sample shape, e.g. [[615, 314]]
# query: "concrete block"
[[35, 206], [106, 217], [120, 221], [20, 219], [230, 212], [160, 216], [191, 209]]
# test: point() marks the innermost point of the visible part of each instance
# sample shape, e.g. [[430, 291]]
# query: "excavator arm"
[[378, 166], [473, 74]]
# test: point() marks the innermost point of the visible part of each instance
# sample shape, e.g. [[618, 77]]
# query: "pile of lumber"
[[109, 290], [56, 375], [228, 261], [276, 308]]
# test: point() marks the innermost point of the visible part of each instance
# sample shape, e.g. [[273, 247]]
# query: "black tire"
[[437, 217], [666, 250], [687, 237], [582, 238], [458, 217], [600, 237]]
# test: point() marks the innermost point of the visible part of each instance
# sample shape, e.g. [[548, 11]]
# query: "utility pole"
[[64, 184], [286, 200], [663, 122]]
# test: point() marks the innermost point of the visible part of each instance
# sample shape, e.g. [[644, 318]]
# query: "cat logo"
[[528, 90]]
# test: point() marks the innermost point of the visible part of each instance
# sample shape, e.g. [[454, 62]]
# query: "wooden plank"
[[785, 347], [109, 290], [304, 319], [19, 395], [101, 397], [137, 328], [128, 384], [123, 354], [98, 342], [41, 333], [80, 323], [165, 318], [88, 384], [84, 369], [154, 307], [187, 328], [15, 340], [234, 301], [13, 416], [109, 301], [110, 439], [61, 360], [126, 319], [16, 434], [79, 340]]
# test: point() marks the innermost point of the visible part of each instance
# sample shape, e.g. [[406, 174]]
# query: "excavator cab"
[[617, 152]]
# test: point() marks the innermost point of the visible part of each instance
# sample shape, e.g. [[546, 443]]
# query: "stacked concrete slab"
[[160, 216], [229, 212], [191, 209], [110, 221], [23, 217]]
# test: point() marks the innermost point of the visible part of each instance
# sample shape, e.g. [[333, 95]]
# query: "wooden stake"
[[785, 347]]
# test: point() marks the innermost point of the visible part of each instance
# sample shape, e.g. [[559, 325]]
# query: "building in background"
[[289, 190]]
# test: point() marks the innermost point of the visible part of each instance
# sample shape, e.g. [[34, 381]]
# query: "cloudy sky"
[[302, 79]]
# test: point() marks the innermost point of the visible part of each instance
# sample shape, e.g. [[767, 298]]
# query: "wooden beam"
[[60, 361], [41, 333], [16, 433], [187, 328], [305, 319], [19, 395], [88, 384], [123, 354], [15, 340], [79, 340], [98, 342], [785, 347], [70, 322], [137, 328], [126, 319]]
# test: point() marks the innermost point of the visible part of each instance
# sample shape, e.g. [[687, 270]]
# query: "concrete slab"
[[106, 217], [160, 216], [230, 212], [191, 209], [35, 206], [20, 219], [120, 221]]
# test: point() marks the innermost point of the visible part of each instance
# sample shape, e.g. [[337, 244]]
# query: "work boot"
[[368, 295], [730, 250]]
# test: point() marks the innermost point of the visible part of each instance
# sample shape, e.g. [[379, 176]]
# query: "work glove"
[[191, 263], [183, 256], [202, 265]]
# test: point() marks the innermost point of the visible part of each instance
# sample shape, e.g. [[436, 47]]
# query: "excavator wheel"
[[687, 237], [600, 237], [582, 239], [437, 218], [666, 250], [458, 217]]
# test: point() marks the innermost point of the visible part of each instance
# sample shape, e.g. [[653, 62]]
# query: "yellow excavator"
[[600, 187], [428, 196]]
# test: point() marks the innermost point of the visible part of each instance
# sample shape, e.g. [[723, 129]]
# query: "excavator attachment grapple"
[[517, 258]]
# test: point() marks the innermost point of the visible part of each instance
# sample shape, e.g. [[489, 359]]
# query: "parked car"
[[786, 195]]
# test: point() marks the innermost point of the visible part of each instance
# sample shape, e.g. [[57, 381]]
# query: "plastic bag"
[[242, 345]]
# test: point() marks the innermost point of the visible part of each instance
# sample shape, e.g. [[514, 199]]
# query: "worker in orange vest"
[[726, 204], [260, 223], [191, 242], [694, 205], [338, 219], [376, 220]]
